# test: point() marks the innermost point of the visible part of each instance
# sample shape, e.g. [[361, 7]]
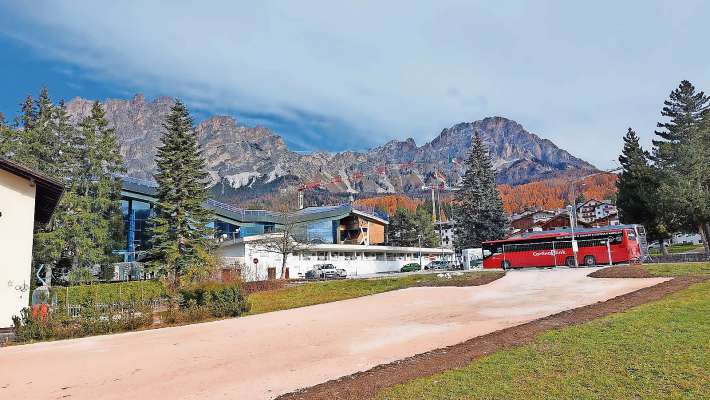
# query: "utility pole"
[[421, 266], [574, 242]]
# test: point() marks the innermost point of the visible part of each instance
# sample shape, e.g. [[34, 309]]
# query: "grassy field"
[[659, 350], [679, 269], [678, 248], [324, 292]]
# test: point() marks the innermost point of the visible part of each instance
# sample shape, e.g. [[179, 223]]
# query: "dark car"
[[411, 267]]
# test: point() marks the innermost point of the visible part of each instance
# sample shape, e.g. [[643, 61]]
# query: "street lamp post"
[[421, 266]]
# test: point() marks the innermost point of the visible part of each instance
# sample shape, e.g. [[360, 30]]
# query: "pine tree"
[[678, 158], [424, 223], [685, 189], [29, 114], [181, 237], [637, 198], [684, 109], [480, 215], [85, 222], [403, 229]]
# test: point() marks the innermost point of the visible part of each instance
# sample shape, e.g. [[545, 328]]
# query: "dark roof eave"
[[48, 190]]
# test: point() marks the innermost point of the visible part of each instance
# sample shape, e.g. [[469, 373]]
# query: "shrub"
[[219, 299], [110, 293], [92, 320]]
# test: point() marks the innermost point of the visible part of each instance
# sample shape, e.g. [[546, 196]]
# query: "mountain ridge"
[[239, 156]]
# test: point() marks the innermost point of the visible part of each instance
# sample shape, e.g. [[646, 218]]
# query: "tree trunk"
[[664, 250], [283, 266], [705, 232]]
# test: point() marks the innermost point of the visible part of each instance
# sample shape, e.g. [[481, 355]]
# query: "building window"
[[380, 256], [322, 256], [370, 256]]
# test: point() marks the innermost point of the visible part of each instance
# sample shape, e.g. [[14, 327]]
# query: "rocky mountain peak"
[[245, 160]]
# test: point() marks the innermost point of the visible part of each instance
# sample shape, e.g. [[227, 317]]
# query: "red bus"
[[596, 246]]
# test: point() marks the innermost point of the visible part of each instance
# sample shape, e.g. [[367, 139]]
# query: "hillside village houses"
[[27, 198]]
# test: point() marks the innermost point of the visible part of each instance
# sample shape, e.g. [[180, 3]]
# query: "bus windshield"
[[490, 249]]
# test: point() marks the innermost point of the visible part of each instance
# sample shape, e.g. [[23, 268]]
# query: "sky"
[[345, 75]]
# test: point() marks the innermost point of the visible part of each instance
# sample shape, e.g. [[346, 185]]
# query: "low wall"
[[676, 258]]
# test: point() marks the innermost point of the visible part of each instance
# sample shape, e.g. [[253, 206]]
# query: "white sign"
[[575, 248]]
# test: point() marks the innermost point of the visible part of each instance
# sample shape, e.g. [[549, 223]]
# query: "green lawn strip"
[[678, 269], [325, 292], [659, 350], [109, 293], [678, 248]]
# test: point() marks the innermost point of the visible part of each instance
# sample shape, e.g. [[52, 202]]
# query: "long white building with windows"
[[253, 262]]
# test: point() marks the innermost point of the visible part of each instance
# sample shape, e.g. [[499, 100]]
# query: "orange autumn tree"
[[390, 203], [555, 193]]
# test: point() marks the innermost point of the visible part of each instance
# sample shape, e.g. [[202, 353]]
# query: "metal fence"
[[74, 310]]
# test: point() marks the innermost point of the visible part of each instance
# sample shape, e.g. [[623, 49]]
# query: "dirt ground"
[[367, 384], [264, 356], [622, 271]]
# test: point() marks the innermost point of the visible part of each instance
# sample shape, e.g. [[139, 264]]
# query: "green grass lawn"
[[324, 292], [678, 269], [659, 350], [678, 248]]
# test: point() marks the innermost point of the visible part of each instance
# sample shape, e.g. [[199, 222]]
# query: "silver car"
[[326, 271]]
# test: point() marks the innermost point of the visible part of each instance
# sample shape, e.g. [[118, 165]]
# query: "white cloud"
[[578, 75]]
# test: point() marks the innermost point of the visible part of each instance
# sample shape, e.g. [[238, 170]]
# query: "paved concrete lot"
[[262, 356]]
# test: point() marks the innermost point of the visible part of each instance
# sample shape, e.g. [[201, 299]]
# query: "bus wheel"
[[590, 261], [505, 265], [569, 261]]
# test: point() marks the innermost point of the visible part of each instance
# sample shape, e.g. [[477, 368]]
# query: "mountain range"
[[245, 160]]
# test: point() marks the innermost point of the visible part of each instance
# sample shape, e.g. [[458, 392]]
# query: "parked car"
[[411, 267], [440, 264], [326, 271]]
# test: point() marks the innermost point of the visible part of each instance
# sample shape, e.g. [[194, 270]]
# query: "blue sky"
[[350, 75]]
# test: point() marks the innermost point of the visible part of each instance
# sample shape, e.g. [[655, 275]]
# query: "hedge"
[[110, 293]]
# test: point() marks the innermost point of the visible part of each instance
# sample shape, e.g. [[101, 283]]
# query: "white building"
[[245, 253], [26, 198], [687, 238], [447, 230]]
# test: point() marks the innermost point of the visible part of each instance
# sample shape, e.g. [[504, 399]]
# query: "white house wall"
[[356, 262], [17, 204]]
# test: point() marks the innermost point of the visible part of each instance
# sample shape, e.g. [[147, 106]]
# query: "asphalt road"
[[262, 356]]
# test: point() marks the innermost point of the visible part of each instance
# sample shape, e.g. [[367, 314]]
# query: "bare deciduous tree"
[[284, 240]]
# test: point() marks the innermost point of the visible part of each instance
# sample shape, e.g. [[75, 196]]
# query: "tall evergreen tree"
[[676, 155], [407, 228], [637, 197], [181, 237], [479, 214], [684, 109], [85, 221], [685, 188], [403, 229]]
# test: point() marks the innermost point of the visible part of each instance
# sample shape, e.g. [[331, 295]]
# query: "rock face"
[[253, 159]]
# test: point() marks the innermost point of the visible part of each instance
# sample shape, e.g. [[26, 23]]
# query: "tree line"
[[667, 189], [87, 225]]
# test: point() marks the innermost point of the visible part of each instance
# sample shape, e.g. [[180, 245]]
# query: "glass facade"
[[136, 220], [321, 231]]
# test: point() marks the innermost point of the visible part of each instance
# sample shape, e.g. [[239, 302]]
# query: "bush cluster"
[[218, 299], [92, 320], [109, 293]]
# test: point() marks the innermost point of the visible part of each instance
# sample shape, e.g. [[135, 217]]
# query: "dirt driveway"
[[263, 356]]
